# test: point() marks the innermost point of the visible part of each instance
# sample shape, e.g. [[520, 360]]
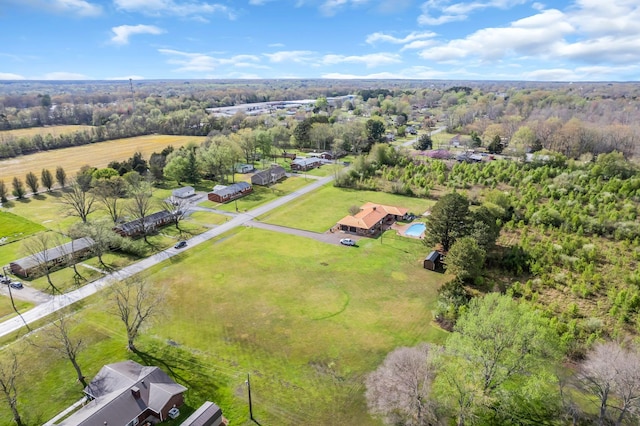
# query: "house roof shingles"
[[54, 253], [370, 214], [114, 402], [232, 189]]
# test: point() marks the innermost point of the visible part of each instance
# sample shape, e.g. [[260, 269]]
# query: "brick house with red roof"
[[371, 219]]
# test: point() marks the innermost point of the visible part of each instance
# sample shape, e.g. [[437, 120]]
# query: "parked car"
[[16, 284], [4, 279], [180, 245], [174, 412], [347, 242]]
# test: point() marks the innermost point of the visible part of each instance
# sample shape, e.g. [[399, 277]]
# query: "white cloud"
[[590, 32], [298, 56], [438, 12], [534, 35], [123, 32], [176, 8], [331, 7], [10, 76], [200, 62], [75, 7], [276, 45], [62, 75], [411, 73], [370, 60], [375, 37]]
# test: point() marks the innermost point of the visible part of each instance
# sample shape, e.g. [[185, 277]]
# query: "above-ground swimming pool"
[[416, 229]]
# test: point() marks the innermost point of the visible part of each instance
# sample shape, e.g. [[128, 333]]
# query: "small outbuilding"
[[231, 192], [209, 414], [184, 192], [244, 168], [269, 176], [433, 261]]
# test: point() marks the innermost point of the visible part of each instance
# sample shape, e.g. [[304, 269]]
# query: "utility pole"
[[249, 390]]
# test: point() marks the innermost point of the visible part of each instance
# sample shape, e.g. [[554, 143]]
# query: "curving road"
[[56, 303]]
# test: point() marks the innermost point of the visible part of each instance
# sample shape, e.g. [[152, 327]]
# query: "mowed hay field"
[[96, 155], [52, 130]]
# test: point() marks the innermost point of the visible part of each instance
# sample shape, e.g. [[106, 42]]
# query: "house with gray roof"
[[184, 192], [150, 223], [231, 192], [304, 164], [269, 176], [127, 393], [37, 263]]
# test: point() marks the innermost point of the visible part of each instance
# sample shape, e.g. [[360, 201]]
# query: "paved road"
[[56, 303]]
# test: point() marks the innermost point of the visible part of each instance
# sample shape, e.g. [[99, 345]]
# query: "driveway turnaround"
[[56, 303]]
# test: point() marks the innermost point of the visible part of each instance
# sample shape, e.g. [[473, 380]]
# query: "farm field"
[[43, 131], [322, 209], [96, 155], [307, 319]]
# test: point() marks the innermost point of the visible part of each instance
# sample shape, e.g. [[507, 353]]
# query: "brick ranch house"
[[70, 252], [231, 192], [127, 393], [371, 219], [150, 223]]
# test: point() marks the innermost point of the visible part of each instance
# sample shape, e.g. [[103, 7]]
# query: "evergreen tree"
[[448, 221]]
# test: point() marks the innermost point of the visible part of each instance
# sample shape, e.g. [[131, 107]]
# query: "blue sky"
[[557, 40]]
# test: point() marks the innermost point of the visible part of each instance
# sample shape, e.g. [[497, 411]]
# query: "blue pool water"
[[416, 229]]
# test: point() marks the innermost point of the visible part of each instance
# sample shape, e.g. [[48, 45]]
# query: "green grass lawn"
[[6, 310], [261, 195], [322, 209], [14, 227], [307, 319]]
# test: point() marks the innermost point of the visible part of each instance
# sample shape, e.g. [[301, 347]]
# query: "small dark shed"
[[433, 261]]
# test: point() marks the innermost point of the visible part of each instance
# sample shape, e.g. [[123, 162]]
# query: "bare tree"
[[611, 373], [38, 249], [177, 207], [80, 203], [102, 235], [399, 390], [140, 206], [136, 302], [8, 375], [109, 193], [59, 340]]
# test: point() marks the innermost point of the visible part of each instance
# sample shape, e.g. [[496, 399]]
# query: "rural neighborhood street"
[[56, 303]]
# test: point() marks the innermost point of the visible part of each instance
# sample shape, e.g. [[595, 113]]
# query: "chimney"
[[135, 391]]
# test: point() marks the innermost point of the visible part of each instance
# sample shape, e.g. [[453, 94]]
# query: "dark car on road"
[[180, 245], [16, 284]]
